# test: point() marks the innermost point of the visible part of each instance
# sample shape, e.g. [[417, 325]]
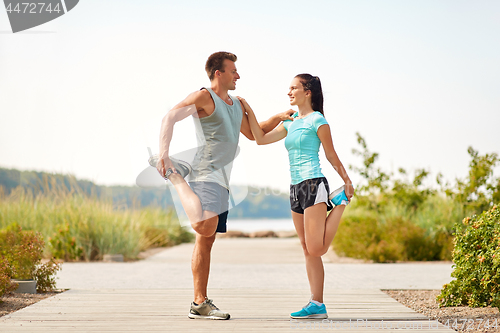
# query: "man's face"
[[229, 75]]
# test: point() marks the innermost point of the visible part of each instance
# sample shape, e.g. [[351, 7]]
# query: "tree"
[[480, 190]]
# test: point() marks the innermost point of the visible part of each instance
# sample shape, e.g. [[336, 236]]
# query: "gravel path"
[[460, 318], [12, 302]]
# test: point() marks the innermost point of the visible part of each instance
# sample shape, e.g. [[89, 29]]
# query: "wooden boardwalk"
[[258, 281], [251, 311]]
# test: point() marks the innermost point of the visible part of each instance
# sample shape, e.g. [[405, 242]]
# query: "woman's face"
[[297, 94]]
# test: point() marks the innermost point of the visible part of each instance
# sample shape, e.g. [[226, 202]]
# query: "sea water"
[[251, 225]]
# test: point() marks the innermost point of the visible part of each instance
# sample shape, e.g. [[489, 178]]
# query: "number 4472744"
[[32, 8]]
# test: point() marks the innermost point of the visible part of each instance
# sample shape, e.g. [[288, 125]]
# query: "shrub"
[[480, 189], [365, 235], [5, 283], [22, 249], [45, 276], [398, 218], [63, 245], [357, 231], [477, 262], [21, 258]]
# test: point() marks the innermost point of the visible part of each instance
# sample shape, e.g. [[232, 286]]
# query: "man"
[[219, 118]]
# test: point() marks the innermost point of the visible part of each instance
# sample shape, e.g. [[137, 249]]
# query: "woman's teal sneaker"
[[338, 197], [311, 310]]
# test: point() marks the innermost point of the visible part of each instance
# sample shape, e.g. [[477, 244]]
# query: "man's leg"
[[214, 198], [203, 222], [200, 264], [208, 225], [202, 307]]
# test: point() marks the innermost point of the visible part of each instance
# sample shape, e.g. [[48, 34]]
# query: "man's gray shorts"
[[214, 198]]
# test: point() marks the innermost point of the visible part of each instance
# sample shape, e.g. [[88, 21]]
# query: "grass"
[[85, 227]]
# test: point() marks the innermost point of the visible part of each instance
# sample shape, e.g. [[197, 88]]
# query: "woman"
[[309, 189]]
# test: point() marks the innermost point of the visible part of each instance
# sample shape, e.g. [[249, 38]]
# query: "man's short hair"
[[216, 62]]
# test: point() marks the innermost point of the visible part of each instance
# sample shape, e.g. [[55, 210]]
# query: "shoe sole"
[[336, 192], [313, 316], [154, 159], [182, 164], [193, 316]]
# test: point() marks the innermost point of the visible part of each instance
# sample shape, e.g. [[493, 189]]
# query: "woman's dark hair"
[[313, 84]]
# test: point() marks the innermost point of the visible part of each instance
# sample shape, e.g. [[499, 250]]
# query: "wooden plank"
[[166, 310]]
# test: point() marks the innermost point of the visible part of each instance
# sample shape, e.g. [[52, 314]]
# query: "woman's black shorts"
[[309, 193]]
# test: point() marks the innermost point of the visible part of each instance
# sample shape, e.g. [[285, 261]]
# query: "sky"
[[85, 94]]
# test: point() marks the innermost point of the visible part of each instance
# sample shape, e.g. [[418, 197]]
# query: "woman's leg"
[[320, 229], [314, 265], [332, 225]]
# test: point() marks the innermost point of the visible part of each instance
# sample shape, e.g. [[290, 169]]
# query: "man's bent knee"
[[206, 227]]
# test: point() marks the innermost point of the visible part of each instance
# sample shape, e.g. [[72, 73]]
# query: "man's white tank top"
[[217, 137]]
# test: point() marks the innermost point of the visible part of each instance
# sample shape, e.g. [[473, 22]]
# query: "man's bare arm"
[[189, 106]]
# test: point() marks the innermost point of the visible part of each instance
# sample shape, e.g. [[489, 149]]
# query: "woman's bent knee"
[[316, 251]]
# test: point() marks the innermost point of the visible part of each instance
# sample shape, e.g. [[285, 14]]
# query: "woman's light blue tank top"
[[302, 143]]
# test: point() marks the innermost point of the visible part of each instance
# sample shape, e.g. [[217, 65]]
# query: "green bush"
[[477, 262], [357, 231], [395, 218], [22, 249], [45, 276], [480, 189], [63, 245], [367, 235], [5, 282], [21, 253]]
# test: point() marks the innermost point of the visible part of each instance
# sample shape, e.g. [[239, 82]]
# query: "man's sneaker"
[[311, 310], [182, 167], [338, 197], [207, 310]]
